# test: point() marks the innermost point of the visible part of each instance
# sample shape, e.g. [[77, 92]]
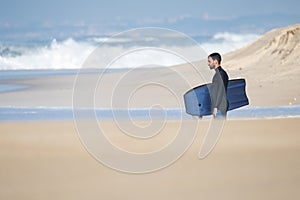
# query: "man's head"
[[214, 60]]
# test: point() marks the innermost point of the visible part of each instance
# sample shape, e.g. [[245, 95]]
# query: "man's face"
[[210, 63]]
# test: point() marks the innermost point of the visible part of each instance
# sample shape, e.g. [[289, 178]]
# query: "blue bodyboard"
[[198, 101]]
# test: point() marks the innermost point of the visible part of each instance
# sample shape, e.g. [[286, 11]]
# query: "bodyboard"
[[198, 101]]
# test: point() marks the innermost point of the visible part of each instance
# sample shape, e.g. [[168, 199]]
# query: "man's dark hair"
[[216, 56]]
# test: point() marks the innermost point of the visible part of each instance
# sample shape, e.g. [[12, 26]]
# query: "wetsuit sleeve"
[[217, 90]]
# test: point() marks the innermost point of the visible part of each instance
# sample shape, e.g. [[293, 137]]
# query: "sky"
[[30, 11], [68, 18]]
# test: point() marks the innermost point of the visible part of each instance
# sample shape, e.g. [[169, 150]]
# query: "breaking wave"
[[71, 53]]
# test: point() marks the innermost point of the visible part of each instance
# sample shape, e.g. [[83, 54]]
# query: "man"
[[219, 86]]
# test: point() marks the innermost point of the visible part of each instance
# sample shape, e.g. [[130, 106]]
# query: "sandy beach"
[[253, 159]]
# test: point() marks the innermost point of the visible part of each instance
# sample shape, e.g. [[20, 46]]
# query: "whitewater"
[[70, 53]]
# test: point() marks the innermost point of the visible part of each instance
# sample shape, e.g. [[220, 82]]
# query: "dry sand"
[[255, 159]]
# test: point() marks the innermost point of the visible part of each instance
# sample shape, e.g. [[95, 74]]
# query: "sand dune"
[[271, 65], [276, 52]]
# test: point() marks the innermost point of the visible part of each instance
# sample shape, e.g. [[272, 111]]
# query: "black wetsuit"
[[218, 90]]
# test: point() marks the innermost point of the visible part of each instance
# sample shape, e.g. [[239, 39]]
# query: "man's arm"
[[217, 92]]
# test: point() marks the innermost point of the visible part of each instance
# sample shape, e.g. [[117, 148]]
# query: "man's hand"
[[215, 111]]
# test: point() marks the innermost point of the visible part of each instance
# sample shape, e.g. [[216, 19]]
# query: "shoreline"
[[42, 113]]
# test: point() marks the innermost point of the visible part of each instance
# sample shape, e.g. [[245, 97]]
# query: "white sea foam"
[[68, 54], [227, 42], [71, 53]]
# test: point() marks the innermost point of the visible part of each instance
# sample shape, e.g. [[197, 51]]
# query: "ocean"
[[30, 59], [70, 53]]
